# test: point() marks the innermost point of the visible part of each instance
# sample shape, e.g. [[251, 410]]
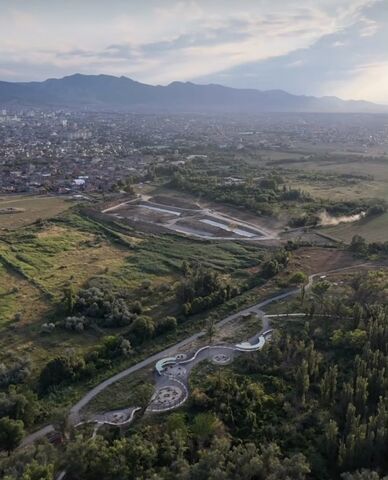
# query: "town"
[[67, 152]]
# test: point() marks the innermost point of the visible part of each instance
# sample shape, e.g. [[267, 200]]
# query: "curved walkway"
[[74, 415], [171, 368]]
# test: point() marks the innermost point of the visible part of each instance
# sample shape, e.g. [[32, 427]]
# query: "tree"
[[19, 406], [320, 289], [303, 380], [36, 471], [142, 329], [331, 439], [166, 324], [210, 329], [329, 385], [69, 298], [270, 268], [205, 425], [362, 475], [358, 245], [11, 433], [298, 278], [61, 369]]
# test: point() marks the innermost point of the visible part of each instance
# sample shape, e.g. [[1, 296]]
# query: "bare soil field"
[[137, 212], [201, 222], [176, 200], [315, 260], [186, 200]]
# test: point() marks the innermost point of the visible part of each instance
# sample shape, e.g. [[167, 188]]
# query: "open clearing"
[[338, 184], [57, 254], [372, 229], [195, 221], [37, 262], [30, 208], [314, 260], [374, 187]]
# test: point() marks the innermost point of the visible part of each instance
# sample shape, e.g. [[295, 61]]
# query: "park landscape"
[[96, 296], [194, 240]]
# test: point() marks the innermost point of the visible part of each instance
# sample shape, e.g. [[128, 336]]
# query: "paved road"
[[74, 415]]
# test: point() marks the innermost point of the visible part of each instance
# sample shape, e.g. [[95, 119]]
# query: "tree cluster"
[[202, 289]]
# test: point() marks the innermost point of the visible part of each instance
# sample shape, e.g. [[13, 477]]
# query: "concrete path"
[[74, 415]]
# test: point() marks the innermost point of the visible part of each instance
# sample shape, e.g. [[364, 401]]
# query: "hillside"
[[105, 91]]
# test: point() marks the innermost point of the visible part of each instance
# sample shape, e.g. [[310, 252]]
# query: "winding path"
[[75, 416]]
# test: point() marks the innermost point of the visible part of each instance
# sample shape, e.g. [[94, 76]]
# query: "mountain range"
[[121, 93]]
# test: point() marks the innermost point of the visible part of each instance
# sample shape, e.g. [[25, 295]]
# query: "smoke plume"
[[328, 220]]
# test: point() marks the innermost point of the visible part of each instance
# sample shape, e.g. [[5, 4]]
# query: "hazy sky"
[[320, 47]]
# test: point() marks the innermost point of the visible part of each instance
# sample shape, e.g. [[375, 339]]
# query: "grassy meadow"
[[38, 261], [346, 180], [30, 208], [373, 229]]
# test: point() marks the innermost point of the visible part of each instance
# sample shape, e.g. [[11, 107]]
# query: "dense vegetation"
[[362, 248], [268, 194], [311, 405]]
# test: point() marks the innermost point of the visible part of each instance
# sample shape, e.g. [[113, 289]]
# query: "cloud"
[[296, 63], [369, 27], [248, 43], [338, 43], [327, 65], [367, 81]]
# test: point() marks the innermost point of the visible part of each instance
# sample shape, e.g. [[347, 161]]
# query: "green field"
[[37, 262], [332, 184], [30, 209], [376, 187], [372, 229]]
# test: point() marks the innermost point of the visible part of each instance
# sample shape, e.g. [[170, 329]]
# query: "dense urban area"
[[68, 152]]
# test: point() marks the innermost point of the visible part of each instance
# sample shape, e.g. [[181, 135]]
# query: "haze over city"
[[323, 47]]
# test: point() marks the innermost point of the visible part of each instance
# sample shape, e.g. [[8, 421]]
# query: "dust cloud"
[[325, 219]]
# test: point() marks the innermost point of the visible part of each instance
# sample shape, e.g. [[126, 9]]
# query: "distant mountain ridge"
[[106, 91]]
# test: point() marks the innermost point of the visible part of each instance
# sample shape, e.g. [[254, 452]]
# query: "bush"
[[298, 278], [166, 324], [108, 309], [67, 367], [142, 329], [77, 324], [113, 347], [15, 372]]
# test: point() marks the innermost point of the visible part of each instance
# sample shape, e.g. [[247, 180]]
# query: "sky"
[[312, 47]]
